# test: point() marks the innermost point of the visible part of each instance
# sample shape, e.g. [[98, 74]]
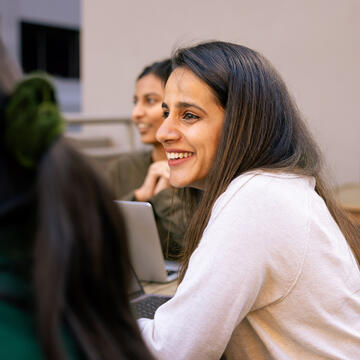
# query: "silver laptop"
[[144, 243], [143, 305]]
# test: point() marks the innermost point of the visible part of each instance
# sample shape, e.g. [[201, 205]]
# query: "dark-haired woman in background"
[[63, 254], [144, 175], [270, 269]]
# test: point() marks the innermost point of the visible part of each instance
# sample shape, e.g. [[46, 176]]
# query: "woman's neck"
[[158, 153]]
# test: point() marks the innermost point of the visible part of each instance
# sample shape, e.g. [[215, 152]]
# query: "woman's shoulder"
[[17, 333], [137, 157], [264, 218], [268, 193], [129, 161], [273, 184], [18, 338]]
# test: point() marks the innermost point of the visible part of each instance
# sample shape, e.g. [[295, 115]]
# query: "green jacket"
[[18, 338], [127, 174]]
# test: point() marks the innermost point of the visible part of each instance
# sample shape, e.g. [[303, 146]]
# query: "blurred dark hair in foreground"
[[63, 244]]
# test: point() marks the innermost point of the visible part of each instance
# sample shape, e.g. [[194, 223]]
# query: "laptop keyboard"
[[146, 307]]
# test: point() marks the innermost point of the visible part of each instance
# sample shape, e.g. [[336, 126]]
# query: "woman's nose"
[[138, 112], [168, 132]]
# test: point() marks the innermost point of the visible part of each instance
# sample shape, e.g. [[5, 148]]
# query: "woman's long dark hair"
[[76, 241], [71, 231], [263, 129], [81, 262]]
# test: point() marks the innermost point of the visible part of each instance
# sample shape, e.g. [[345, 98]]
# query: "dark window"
[[51, 49]]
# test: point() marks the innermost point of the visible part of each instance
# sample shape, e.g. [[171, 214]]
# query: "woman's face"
[[147, 113], [192, 127]]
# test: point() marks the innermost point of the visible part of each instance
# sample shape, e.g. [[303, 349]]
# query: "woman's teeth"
[[142, 126], [176, 155]]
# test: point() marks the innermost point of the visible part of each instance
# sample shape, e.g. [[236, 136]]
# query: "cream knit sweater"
[[272, 278]]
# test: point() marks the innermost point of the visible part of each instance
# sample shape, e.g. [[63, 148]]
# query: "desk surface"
[[160, 289], [349, 197]]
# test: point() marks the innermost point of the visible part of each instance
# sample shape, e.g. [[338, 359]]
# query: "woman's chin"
[[181, 182], [178, 183], [148, 140]]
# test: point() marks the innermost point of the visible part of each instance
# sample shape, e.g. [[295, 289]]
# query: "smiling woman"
[[144, 176], [270, 268], [147, 112]]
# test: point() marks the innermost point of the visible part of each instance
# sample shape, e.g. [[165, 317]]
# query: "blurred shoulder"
[[143, 157], [135, 159]]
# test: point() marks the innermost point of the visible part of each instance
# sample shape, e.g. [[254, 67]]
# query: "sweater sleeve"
[[247, 259], [127, 173]]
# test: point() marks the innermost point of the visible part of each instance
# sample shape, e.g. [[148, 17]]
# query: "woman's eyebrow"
[[182, 105], [152, 94]]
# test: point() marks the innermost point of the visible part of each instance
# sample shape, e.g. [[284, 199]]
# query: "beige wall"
[[313, 43]]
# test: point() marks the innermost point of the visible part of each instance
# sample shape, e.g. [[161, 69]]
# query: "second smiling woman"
[[144, 176]]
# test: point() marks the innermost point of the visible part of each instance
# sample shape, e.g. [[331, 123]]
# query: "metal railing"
[[77, 121], [101, 146]]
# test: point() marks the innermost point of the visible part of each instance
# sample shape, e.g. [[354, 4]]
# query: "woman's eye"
[[190, 116], [151, 101], [165, 114]]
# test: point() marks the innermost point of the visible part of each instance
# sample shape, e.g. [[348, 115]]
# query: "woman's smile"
[[177, 157]]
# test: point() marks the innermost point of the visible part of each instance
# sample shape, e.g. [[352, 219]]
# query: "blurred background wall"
[[95, 49], [44, 34], [313, 43]]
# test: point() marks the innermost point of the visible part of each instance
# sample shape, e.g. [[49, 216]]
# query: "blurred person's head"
[[61, 231], [147, 113]]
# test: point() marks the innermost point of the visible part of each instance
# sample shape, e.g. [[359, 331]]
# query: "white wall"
[[313, 43], [9, 10], [55, 12], [63, 13]]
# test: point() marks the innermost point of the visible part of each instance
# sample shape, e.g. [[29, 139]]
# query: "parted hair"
[[263, 129]]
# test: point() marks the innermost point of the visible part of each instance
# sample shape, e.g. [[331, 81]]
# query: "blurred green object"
[[18, 337], [32, 120]]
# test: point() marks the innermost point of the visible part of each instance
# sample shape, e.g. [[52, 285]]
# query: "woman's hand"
[[157, 179]]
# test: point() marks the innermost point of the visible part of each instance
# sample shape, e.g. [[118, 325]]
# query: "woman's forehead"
[[148, 84], [183, 85]]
